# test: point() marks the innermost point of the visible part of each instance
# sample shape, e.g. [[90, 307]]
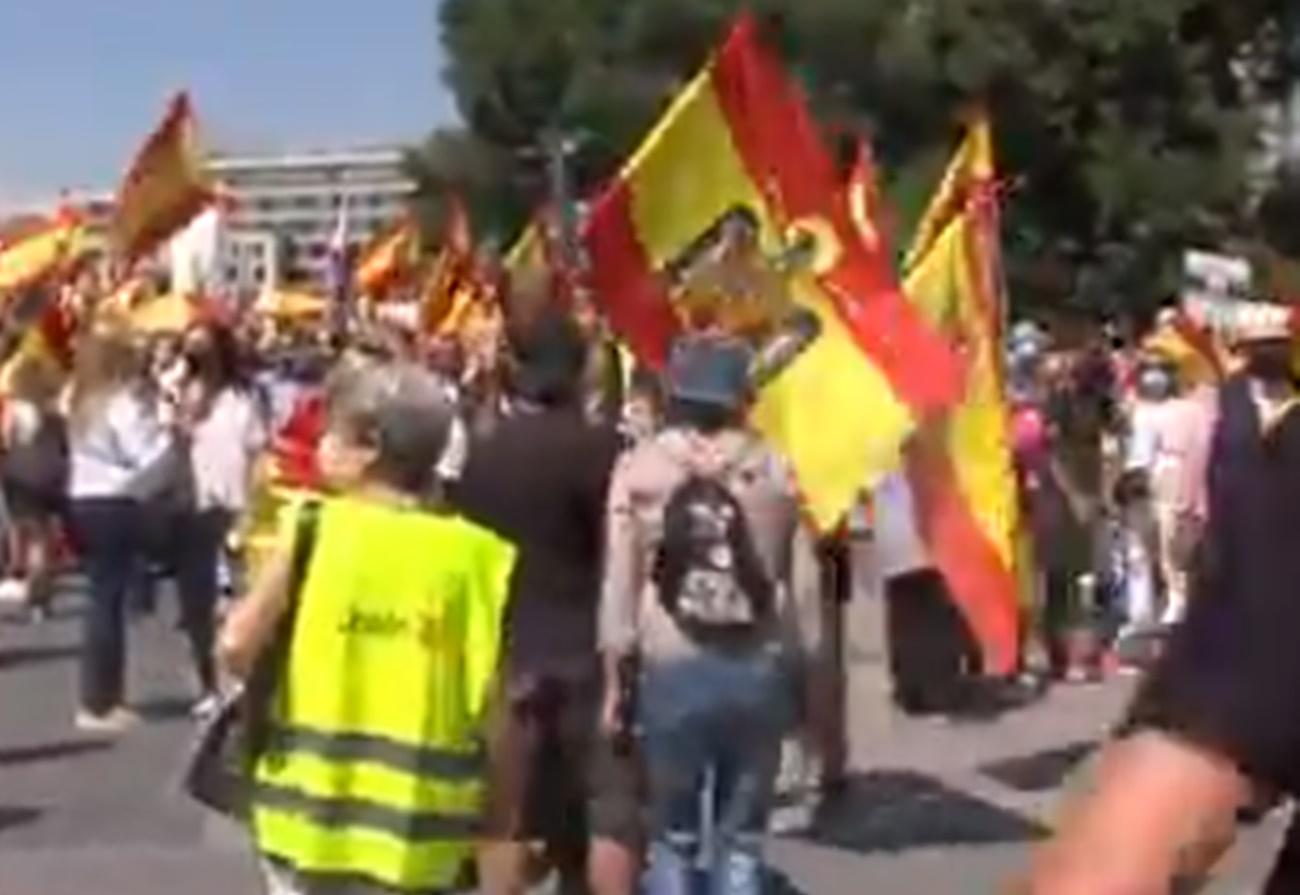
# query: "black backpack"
[[707, 571]]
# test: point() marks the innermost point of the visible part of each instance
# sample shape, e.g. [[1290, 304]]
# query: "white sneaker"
[[207, 706], [118, 720]]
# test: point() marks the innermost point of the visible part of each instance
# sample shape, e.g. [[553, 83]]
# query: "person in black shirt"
[[540, 479], [1215, 729]]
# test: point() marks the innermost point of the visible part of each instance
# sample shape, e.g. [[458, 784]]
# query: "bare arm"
[[251, 624], [1162, 810], [620, 591]]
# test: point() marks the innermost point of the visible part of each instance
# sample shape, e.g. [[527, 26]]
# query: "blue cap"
[[708, 369]]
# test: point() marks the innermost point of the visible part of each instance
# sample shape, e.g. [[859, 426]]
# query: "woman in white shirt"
[[114, 436], [227, 424]]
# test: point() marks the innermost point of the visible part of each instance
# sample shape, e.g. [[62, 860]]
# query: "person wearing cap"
[[715, 712], [363, 784], [1215, 729], [539, 479]]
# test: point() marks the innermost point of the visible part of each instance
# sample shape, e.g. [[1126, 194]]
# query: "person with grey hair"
[[359, 781]]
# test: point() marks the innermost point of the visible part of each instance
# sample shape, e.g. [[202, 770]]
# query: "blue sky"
[[85, 80]]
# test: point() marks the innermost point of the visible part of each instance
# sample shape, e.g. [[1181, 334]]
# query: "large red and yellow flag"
[[42, 251], [389, 259], [960, 463], [740, 138], [46, 343], [166, 187]]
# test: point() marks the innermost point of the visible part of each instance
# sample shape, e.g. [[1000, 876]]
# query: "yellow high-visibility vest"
[[375, 765]]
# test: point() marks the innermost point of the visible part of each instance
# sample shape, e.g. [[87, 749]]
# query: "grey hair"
[[400, 409]]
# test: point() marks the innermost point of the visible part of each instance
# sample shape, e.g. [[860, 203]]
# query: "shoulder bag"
[[219, 768]]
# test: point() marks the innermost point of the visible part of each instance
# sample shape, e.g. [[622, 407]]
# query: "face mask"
[[1154, 384]]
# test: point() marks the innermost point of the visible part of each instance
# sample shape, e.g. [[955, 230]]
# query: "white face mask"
[[1155, 384]]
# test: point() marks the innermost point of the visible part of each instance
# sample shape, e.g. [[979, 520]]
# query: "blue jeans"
[[109, 535], [712, 734]]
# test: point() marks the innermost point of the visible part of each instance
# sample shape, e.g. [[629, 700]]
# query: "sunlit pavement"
[[932, 806]]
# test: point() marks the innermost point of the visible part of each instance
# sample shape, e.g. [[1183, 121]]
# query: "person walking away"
[[703, 531], [35, 478], [228, 430], [114, 436], [1185, 429], [1135, 537], [540, 479], [1063, 501], [365, 786], [1215, 729]]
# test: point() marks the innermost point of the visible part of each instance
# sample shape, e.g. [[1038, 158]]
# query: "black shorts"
[[551, 775], [27, 503]]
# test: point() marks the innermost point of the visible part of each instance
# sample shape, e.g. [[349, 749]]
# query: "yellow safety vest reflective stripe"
[[375, 766]]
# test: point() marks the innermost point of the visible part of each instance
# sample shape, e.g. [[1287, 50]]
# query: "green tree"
[[1126, 129]]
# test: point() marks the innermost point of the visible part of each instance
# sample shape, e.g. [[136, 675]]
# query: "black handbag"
[[219, 768]]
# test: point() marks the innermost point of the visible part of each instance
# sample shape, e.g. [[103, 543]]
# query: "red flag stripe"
[[978, 578], [644, 312]]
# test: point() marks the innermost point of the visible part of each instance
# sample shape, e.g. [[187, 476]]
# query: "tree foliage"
[[1126, 129]]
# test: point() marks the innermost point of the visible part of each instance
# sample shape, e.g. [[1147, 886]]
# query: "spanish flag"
[[41, 252], [47, 330], [960, 464], [453, 289], [739, 138], [166, 186], [389, 259]]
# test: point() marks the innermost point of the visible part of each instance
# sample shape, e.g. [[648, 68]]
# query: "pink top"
[[1186, 434]]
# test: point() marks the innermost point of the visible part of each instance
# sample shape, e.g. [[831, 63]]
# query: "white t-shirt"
[[224, 448], [897, 544], [22, 421]]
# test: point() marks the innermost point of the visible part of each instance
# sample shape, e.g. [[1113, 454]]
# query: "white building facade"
[[284, 213]]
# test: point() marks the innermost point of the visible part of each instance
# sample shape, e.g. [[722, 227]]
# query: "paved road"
[[934, 807]]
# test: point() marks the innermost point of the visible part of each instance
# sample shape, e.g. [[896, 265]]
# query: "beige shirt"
[[631, 615]]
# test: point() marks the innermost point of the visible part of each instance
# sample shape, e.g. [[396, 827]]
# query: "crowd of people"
[[614, 632]]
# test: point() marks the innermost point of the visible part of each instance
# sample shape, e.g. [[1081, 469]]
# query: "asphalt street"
[[932, 807]]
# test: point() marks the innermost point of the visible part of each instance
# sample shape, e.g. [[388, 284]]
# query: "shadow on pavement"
[[166, 708], [890, 811], [31, 655], [16, 816], [1041, 771], [12, 755], [777, 883]]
